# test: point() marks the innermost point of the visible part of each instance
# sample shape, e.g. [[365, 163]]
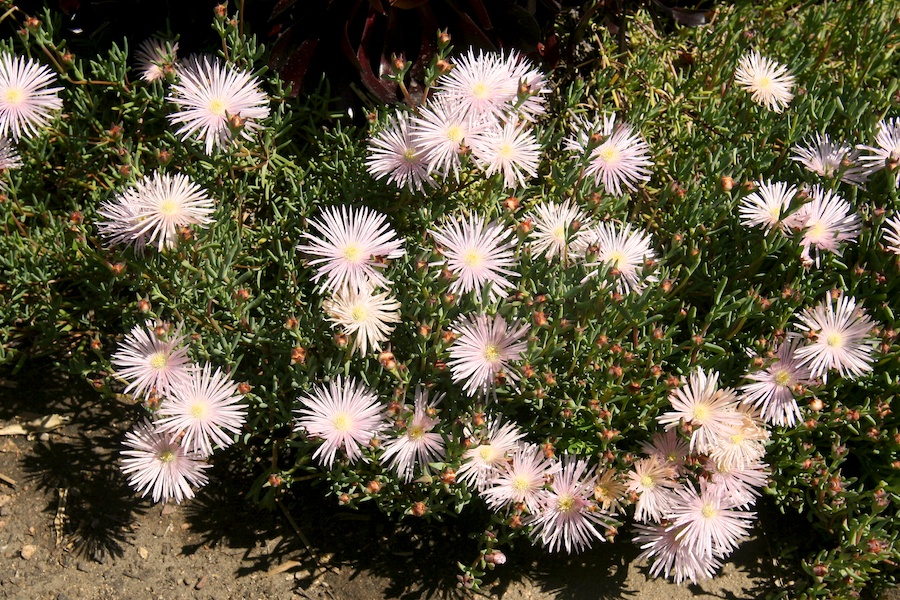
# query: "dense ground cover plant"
[[588, 302]]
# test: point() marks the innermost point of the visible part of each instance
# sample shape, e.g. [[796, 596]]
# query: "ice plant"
[[669, 448], [27, 104], [610, 491], [156, 464], [154, 210], [9, 159], [653, 481], [206, 408], [481, 463], [568, 517], [350, 246], [560, 231], [520, 479], [827, 221], [439, 134], [892, 234], [626, 253], [705, 521], [619, 156], [485, 348], [710, 411], [482, 86], [767, 206], [828, 159], [740, 483], [773, 389], [394, 154], [769, 82], [742, 444], [345, 414], [368, 316], [154, 57], [152, 363], [511, 149], [479, 254], [839, 338], [886, 153], [418, 444], [671, 557], [217, 101]]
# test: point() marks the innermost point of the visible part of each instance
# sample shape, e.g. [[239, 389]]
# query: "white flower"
[[767, 205], [626, 253], [485, 347], [154, 57], [9, 159], [619, 156], [827, 220], [419, 444], [773, 388], [559, 231], [26, 103], [215, 100], [511, 149], [483, 86], [828, 159], [892, 234], [769, 82], [887, 152], [394, 154], [840, 341], [368, 316], [439, 135]]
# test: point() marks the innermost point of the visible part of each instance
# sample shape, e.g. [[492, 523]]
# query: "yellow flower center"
[[14, 95], [409, 155], [737, 439], [775, 212], [166, 456], [359, 313], [485, 452], [415, 432], [353, 253], [559, 233], [708, 511], [700, 413], [817, 230], [521, 483], [455, 134], [566, 503], [491, 354], [505, 150], [763, 82], [158, 360], [217, 107], [609, 154], [835, 340], [342, 422], [473, 258], [199, 410], [647, 481], [168, 207], [782, 377], [480, 90], [617, 260]]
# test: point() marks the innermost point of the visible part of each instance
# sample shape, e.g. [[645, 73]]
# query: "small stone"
[[5, 511], [61, 596], [143, 552], [201, 583], [168, 509], [44, 437], [165, 549], [83, 566], [28, 551]]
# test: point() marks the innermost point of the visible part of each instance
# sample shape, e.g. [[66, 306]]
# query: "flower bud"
[[143, 305], [495, 558], [419, 509]]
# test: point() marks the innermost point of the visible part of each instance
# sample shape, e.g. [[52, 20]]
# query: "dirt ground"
[[71, 528]]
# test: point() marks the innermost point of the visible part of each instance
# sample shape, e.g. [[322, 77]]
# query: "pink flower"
[[827, 221], [484, 349], [887, 152], [483, 86], [840, 341], [626, 255], [671, 557], [345, 414], [740, 483], [619, 157], [393, 153], [27, 104], [350, 242], [773, 390], [568, 516], [481, 463], [206, 408], [418, 445], [478, 254], [156, 463], [669, 448], [521, 479], [706, 521], [653, 481], [511, 149], [152, 364]]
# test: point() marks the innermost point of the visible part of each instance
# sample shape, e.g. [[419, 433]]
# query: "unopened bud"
[[298, 355], [727, 183], [143, 306], [495, 558], [419, 509], [373, 487], [387, 360], [244, 388]]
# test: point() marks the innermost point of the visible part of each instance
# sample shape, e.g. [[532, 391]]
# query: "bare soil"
[[71, 528]]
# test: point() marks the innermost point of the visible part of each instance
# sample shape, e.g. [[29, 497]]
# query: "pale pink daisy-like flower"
[[26, 103], [368, 316], [610, 491], [217, 101], [653, 481], [154, 210], [743, 444], [840, 338], [510, 148], [156, 464], [568, 516], [559, 231], [767, 205], [671, 557], [485, 348], [706, 520], [521, 479], [620, 156], [478, 254], [892, 235], [711, 411], [440, 133], [769, 82], [351, 242], [741, 484], [9, 159], [418, 444], [532, 85], [481, 463], [152, 364], [886, 153], [154, 58], [394, 154], [669, 448], [345, 414], [828, 159], [626, 253], [588, 133], [206, 408], [482, 86], [773, 389], [827, 221]]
